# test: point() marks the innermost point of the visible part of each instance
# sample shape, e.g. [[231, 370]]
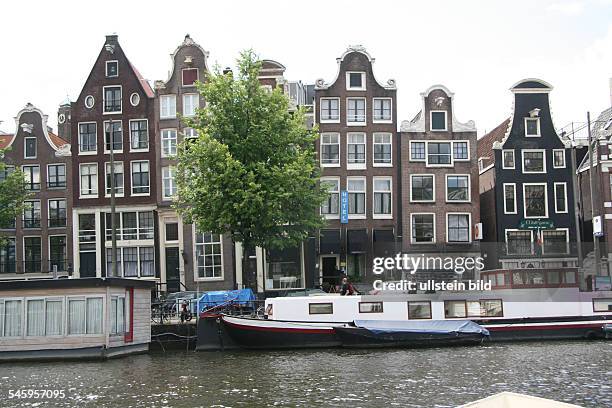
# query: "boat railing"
[[234, 306]]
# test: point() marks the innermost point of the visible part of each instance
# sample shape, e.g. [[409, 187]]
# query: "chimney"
[[112, 39]]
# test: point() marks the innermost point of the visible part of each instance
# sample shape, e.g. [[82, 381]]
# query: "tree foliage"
[[252, 171], [13, 192]]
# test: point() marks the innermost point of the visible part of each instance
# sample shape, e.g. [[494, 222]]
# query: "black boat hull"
[[357, 337]]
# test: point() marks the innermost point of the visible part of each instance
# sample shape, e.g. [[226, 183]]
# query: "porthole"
[[135, 99], [61, 118], [89, 101]]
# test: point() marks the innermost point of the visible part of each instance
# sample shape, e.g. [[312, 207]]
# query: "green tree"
[[13, 192], [253, 170]]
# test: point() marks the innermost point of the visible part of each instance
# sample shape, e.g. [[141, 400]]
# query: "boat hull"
[[549, 329], [358, 337]]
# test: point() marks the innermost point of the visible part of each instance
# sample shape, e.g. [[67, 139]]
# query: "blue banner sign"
[[344, 207]]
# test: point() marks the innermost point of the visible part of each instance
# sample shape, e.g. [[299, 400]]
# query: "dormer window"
[[532, 127], [355, 81], [437, 120], [190, 76], [112, 69]]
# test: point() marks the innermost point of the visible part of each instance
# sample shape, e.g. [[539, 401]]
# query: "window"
[[458, 188], [32, 177], [112, 99], [602, 305], [172, 231], [117, 315], [355, 113], [560, 197], [330, 109], [87, 138], [139, 134], [331, 205], [140, 177], [134, 99], [417, 151], [473, 308], [132, 261], [190, 76], [89, 179], [118, 173], [190, 133], [87, 232], [518, 242], [190, 103], [356, 188], [168, 182], [480, 164], [534, 161], [536, 205], [422, 188], [532, 127], [85, 315], [167, 106], [29, 147], [555, 242], [509, 198], [147, 261], [419, 310], [423, 228], [458, 227], [11, 318], [382, 196], [438, 153], [57, 212], [31, 214], [320, 308], [56, 176], [283, 269], [382, 110], [57, 253], [559, 158], [356, 150], [355, 81], [89, 101], [487, 308], [113, 134], [209, 262], [7, 259], [53, 315], [461, 151], [437, 120], [454, 308], [370, 307], [112, 69], [168, 142], [382, 149], [508, 159], [330, 149], [32, 255]]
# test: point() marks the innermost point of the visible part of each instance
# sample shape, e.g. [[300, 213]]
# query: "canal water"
[[576, 372]]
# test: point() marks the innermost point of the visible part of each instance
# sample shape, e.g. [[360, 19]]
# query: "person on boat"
[[346, 289]]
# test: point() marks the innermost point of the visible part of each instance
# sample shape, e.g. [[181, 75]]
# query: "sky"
[[478, 49]]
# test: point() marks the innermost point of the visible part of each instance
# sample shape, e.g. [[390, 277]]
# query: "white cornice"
[[43, 120]]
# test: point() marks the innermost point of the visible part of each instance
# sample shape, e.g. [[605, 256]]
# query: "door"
[[87, 265], [330, 275], [173, 278]]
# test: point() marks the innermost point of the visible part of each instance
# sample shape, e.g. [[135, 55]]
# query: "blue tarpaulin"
[[219, 297], [425, 326]]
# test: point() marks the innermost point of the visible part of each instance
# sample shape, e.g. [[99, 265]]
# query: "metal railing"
[[36, 266]]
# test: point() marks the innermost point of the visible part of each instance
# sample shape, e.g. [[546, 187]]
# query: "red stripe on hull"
[[544, 327], [280, 329]]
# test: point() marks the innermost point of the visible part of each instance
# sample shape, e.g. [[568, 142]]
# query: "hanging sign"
[[344, 207], [536, 224]]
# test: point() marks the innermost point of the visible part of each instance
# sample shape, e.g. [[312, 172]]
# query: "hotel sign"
[[344, 207], [536, 224]]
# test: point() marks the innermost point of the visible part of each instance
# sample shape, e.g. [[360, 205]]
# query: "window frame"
[[106, 74], [335, 179], [107, 187], [31, 183], [553, 159], [543, 151], [348, 81], [390, 120], [59, 186], [183, 77], [365, 197], [25, 147], [537, 119], [130, 135], [172, 183], [382, 307], [331, 304], [49, 218], [88, 152], [424, 159], [321, 144], [545, 200], [469, 188], [85, 298], [357, 166], [504, 167], [514, 197], [112, 136], [433, 180], [196, 273], [564, 184], [104, 111], [30, 207], [164, 140], [468, 158], [469, 241], [450, 154], [365, 111], [194, 97], [327, 120], [431, 129], [374, 144], [163, 98], [567, 242], [45, 299], [532, 237], [376, 215], [97, 187], [419, 318], [600, 300], [148, 193], [412, 237]]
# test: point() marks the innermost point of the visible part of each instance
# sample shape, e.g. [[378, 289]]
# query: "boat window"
[[473, 308], [321, 308], [602, 305], [419, 310], [370, 307], [454, 308], [491, 308]]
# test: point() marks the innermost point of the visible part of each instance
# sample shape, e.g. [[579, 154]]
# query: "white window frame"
[[135, 95], [44, 299], [452, 161], [424, 159], [116, 297], [504, 198], [93, 101], [553, 158], [538, 123], [22, 322], [25, 139], [374, 120], [365, 197], [183, 79], [192, 96], [469, 241], [365, 112], [163, 98], [321, 119], [357, 166], [467, 142], [348, 81], [67, 320], [107, 186], [104, 112], [412, 238], [545, 200], [335, 180], [523, 151], [374, 191], [433, 200], [106, 69], [564, 184], [111, 140], [321, 144], [431, 129], [567, 251], [88, 153], [374, 163], [130, 135], [504, 151], [97, 178], [515, 230], [163, 140], [172, 181], [196, 275], [469, 188], [132, 179]]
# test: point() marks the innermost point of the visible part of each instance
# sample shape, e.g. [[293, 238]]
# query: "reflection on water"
[[577, 372]]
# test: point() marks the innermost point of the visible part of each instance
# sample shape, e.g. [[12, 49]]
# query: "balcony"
[[32, 186], [30, 223], [57, 222], [56, 185]]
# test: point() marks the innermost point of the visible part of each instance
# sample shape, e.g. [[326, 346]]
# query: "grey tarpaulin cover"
[[429, 326]]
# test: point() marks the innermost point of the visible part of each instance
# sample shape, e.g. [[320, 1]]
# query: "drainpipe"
[[576, 206]]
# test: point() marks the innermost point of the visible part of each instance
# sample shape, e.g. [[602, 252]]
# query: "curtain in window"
[[113, 316], [147, 266], [36, 317], [53, 318], [1, 318], [120, 315], [76, 317], [130, 261], [94, 316], [12, 319]]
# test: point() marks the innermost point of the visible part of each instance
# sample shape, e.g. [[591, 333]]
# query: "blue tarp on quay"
[[426, 326], [219, 297]]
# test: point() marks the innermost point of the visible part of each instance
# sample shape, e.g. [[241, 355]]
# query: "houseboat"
[[88, 318]]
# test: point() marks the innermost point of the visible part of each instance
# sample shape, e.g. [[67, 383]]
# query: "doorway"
[[330, 273], [173, 278]]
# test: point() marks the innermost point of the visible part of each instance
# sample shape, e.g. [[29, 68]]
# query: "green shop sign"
[[536, 224]]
